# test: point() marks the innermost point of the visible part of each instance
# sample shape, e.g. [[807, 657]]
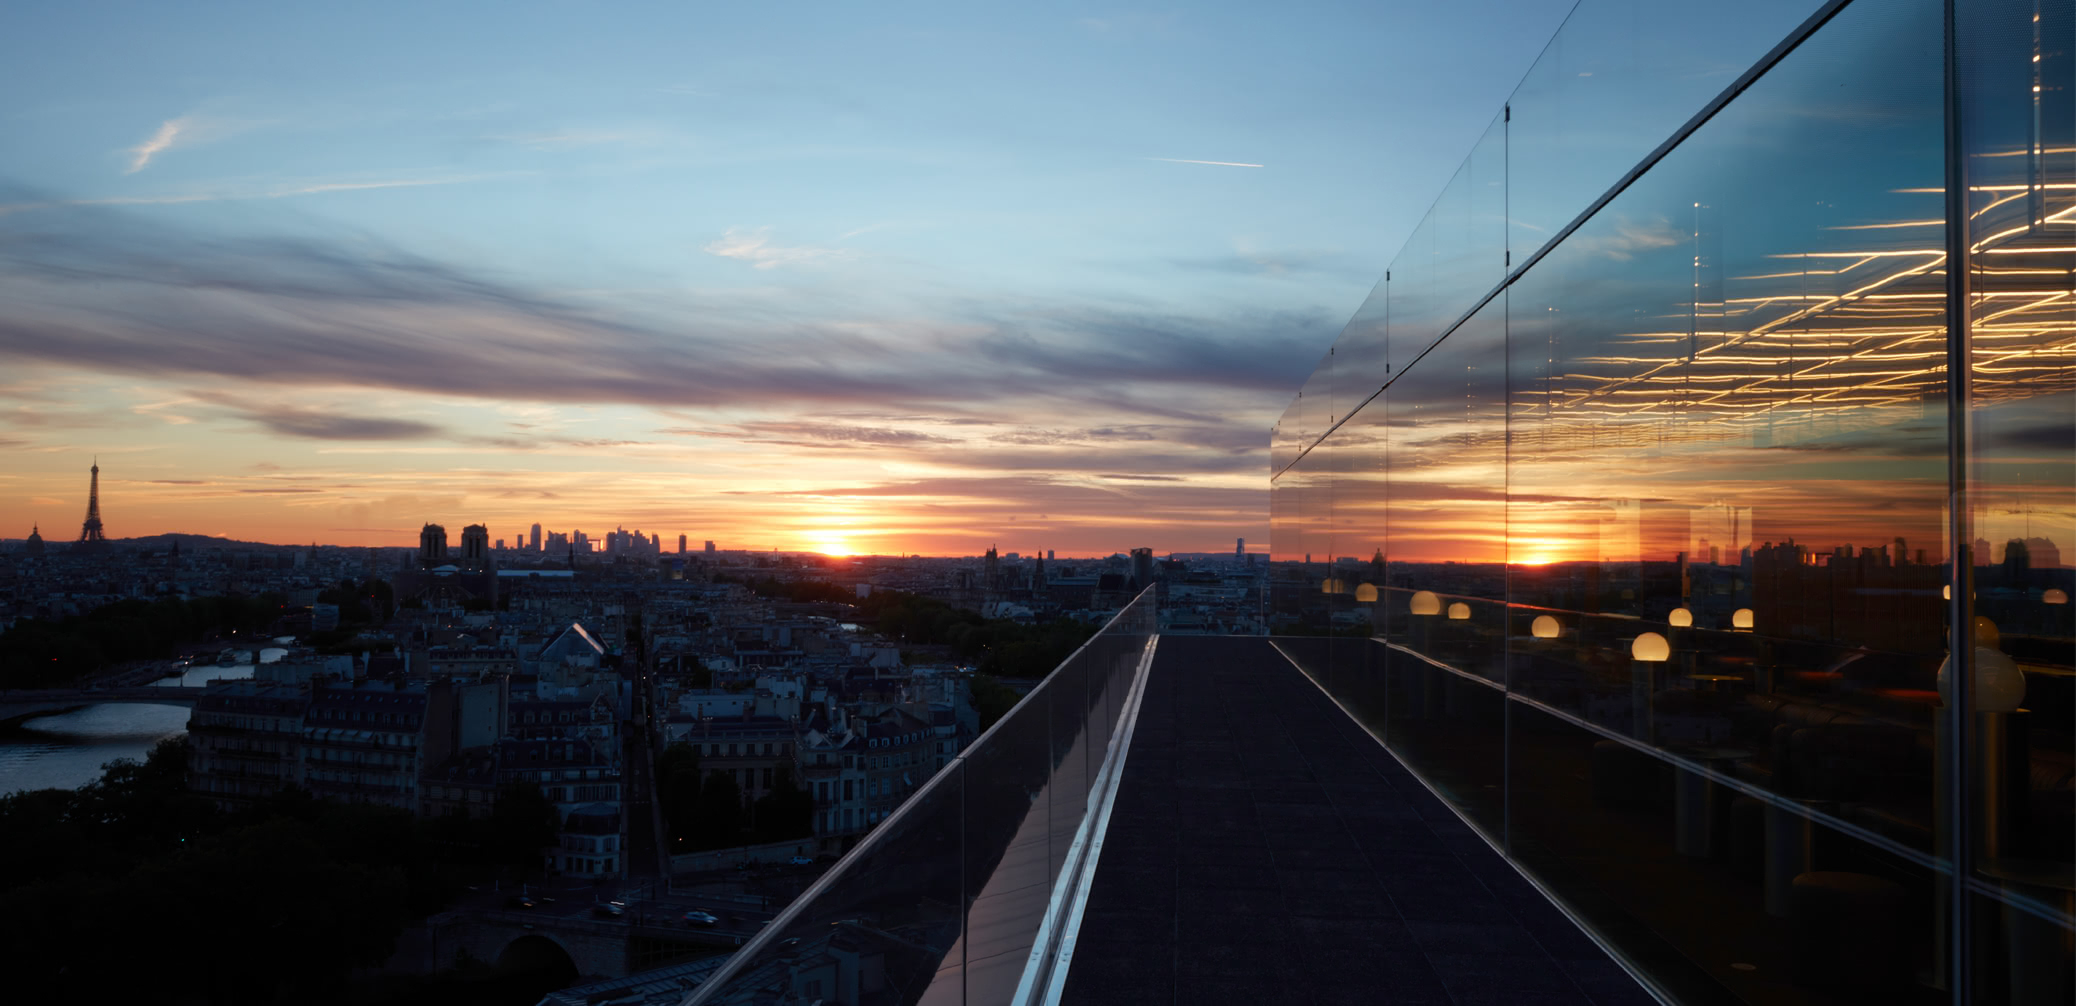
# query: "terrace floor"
[[1264, 848]]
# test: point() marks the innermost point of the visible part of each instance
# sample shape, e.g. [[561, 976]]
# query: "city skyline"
[[667, 268]]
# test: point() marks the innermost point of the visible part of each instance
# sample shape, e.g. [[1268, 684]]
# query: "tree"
[[522, 823], [787, 812], [719, 824], [677, 786], [992, 699]]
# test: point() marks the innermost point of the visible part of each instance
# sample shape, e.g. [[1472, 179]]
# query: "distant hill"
[[192, 542]]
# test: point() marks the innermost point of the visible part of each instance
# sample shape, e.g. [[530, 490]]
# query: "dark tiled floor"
[[1265, 849]]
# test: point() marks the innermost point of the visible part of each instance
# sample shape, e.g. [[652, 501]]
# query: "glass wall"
[[942, 902], [1654, 546]]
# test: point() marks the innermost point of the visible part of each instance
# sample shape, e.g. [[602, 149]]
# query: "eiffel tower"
[[90, 531]]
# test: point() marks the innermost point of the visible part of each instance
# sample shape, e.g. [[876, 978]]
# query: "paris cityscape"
[[695, 716]]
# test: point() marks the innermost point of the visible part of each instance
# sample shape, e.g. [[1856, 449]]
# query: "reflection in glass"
[[2019, 144], [1663, 529]]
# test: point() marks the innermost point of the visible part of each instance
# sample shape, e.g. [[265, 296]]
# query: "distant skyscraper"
[[1142, 568], [90, 531], [500, 544], [709, 548], [1239, 546], [681, 544], [535, 542], [1048, 553]]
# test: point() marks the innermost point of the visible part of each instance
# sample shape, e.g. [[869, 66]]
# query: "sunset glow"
[[672, 277]]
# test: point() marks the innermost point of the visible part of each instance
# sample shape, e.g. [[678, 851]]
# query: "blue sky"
[[732, 271]]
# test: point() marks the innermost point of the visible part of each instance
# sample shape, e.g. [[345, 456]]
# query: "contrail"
[[141, 154], [1222, 164]]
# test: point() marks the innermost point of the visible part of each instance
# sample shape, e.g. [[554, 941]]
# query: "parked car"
[[520, 901], [802, 861], [696, 917], [609, 909]]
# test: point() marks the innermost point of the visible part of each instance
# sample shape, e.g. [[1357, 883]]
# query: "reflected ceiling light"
[[1459, 611], [1544, 627], [1999, 684], [1330, 586], [1742, 619], [1650, 646], [1425, 603], [1680, 618], [1986, 633], [2055, 595], [1366, 592]]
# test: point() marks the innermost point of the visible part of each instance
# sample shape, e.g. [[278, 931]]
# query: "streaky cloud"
[[161, 141], [1216, 164], [109, 290]]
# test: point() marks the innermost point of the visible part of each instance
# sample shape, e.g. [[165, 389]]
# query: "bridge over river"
[[18, 704], [598, 947]]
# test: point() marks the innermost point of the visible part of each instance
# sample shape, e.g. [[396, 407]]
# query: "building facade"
[[246, 740], [1635, 507]]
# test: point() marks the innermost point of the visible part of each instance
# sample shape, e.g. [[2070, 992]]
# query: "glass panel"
[[1445, 545], [951, 890], [921, 914], [2018, 102], [1618, 79], [1318, 400], [1361, 360], [1284, 441], [1726, 479], [1416, 312], [1306, 589], [1008, 855], [1470, 229]]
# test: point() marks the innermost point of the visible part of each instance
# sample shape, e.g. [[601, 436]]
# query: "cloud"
[[1292, 263], [163, 140], [221, 194], [819, 434], [1216, 164], [755, 247], [573, 138], [108, 290], [311, 424], [1629, 237]]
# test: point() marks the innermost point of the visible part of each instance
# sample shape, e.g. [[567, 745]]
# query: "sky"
[[851, 278]]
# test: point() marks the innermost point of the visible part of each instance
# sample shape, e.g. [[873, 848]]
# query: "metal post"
[[1959, 712]]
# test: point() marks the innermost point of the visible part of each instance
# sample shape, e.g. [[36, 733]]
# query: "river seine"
[[67, 750]]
